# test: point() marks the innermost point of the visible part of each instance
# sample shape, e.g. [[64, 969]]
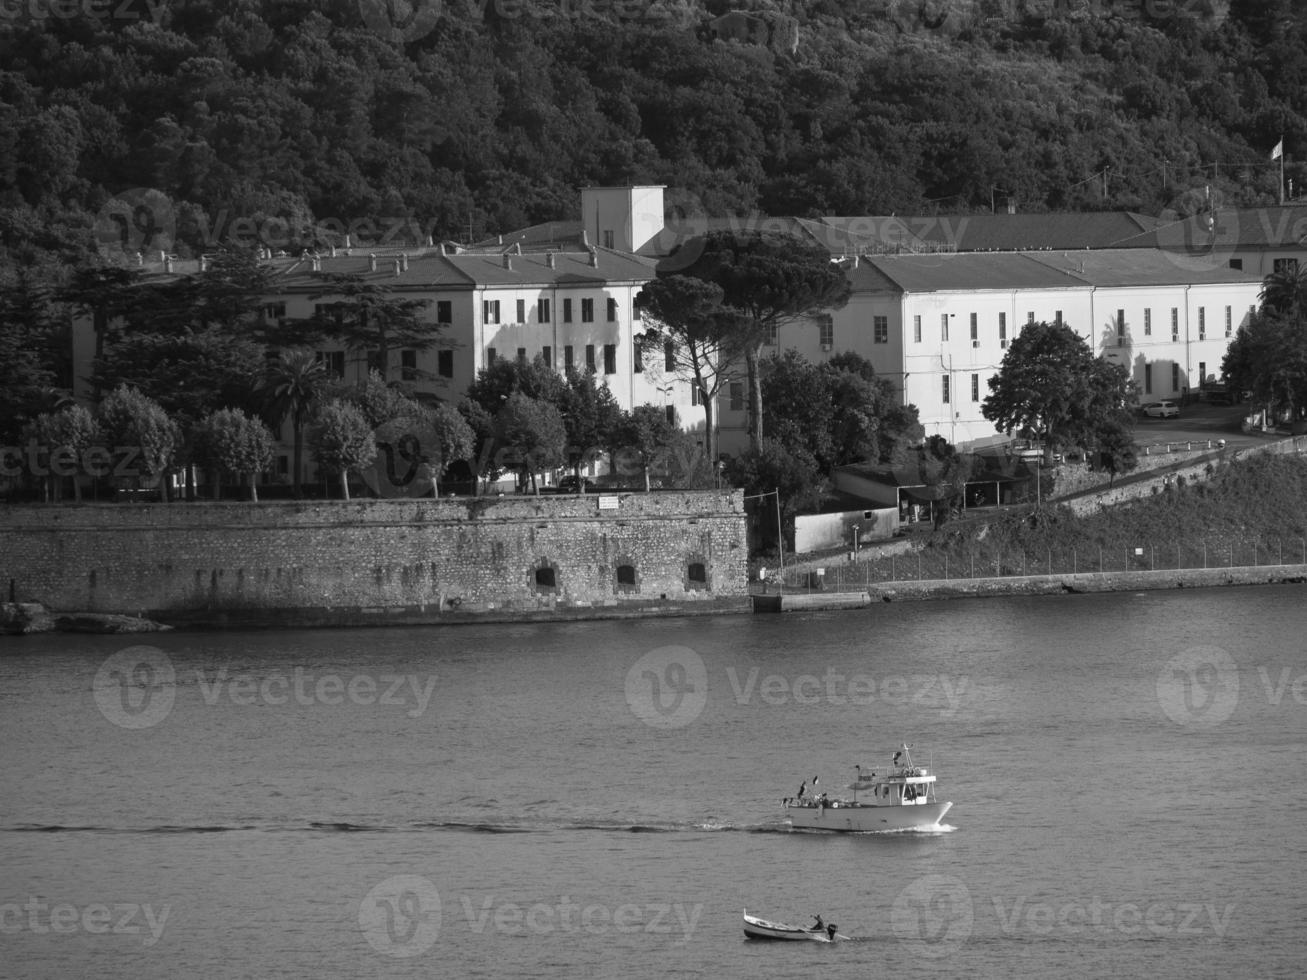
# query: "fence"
[[979, 562]]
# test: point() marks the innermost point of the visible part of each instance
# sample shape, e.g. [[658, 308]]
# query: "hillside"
[[293, 119]]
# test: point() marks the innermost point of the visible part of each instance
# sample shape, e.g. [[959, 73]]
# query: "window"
[[975, 387], [521, 311], [568, 358], [1002, 330], [1229, 320], [1202, 323], [1175, 323], [1236, 264], [1202, 373], [567, 311], [547, 355], [408, 365], [1030, 316], [445, 363], [696, 575], [1289, 266], [542, 310], [945, 388], [638, 356], [490, 356], [444, 311], [334, 361], [626, 578], [1120, 327], [546, 579], [521, 355], [610, 358], [773, 336], [943, 327], [608, 238], [490, 310], [612, 310], [589, 357], [587, 311], [737, 396], [1148, 322], [274, 311], [669, 356], [826, 330], [694, 395], [1057, 318], [329, 311], [1175, 377], [916, 329], [880, 329], [975, 327], [669, 411], [1148, 379]]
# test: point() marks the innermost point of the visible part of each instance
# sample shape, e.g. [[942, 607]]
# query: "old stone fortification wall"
[[360, 561]]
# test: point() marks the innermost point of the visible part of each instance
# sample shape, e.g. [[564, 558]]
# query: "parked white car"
[[1161, 410]]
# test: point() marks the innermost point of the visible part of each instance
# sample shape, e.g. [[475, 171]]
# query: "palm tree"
[[294, 384], [1285, 290]]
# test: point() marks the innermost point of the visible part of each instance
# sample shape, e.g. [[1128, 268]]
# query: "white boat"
[[756, 928], [901, 798]]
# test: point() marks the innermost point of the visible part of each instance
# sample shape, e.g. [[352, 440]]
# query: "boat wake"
[[539, 826]]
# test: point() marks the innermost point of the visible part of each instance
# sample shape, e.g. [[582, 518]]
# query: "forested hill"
[[475, 116]]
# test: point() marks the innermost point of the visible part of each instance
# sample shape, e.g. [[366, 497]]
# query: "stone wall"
[[389, 560]]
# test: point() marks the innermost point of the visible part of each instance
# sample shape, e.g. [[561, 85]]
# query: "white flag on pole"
[[1278, 151]]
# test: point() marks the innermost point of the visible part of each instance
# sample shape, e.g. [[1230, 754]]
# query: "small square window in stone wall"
[[546, 579]]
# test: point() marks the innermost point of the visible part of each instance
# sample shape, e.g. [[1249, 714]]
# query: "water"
[[520, 801]]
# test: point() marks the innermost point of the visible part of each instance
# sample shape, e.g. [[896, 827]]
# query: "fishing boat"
[[901, 798], [756, 928]]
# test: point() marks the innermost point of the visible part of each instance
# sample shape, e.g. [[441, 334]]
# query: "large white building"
[[939, 324]]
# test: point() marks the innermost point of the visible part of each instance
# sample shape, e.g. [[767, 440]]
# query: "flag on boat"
[[1279, 150]]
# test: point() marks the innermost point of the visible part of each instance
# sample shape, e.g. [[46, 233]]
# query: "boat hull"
[[860, 818], [756, 928]]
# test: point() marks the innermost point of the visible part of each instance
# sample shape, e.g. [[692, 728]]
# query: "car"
[[1161, 410], [569, 484]]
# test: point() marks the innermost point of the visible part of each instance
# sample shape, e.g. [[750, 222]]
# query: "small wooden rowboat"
[[756, 928]]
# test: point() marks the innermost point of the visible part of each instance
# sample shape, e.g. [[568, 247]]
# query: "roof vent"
[[397, 264], [204, 263], [549, 259], [348, 243], [508, 261], [372, 261], [317, 263], [403, 261], [167, 263], [517, 248], [594, 259]]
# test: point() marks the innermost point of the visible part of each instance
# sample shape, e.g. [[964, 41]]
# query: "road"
[[1200, 422]]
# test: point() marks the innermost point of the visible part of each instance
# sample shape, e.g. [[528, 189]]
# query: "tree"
[[1116, 449], [29, 362], [771, 280], [685, 319], [773, 467], [945, 473], [370, 317], [1284, 291], [1051, 386], [591, 416], [131, 420], [66, 435], [1268, 358], [293, 386], [641, 436], [532, 436], [108, 295], [229, 441], [342, 441]]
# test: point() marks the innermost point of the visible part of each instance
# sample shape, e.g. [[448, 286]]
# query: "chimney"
[[508, 261], [594, 259], [348, 244], [333, 251], [517, 248], [549, 259], [167, 263], [204, 263], [372, 261], [163, 256], [397, 264], [140, 257], [500, 239], [317, 262], [403, 261], [1011, 205], [442, 249], [430, 241], [585, 238]]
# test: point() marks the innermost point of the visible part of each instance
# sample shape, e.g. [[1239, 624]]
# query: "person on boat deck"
[[897, 756], [820, 925], [803, 789]]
